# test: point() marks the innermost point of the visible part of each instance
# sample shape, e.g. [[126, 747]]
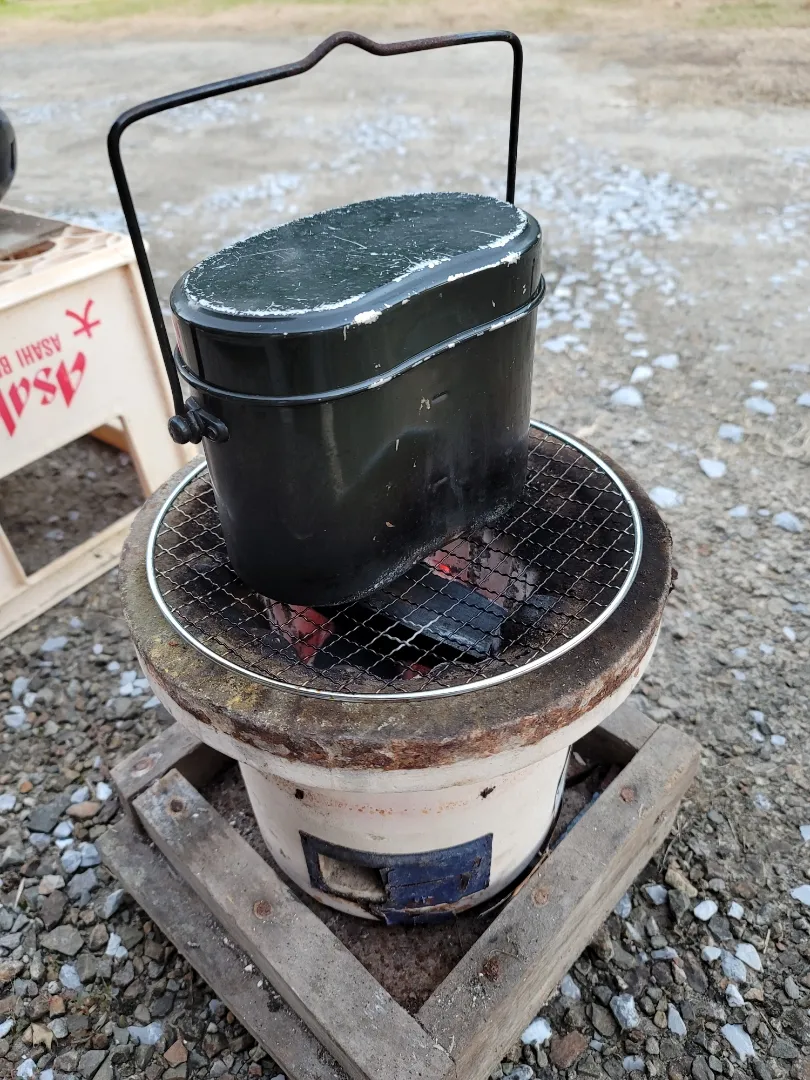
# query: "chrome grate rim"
[[571, 497]]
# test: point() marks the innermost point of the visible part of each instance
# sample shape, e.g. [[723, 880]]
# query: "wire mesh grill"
[[485, 608]]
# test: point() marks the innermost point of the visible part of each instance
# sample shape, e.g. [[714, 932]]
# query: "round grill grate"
[[485, 608]]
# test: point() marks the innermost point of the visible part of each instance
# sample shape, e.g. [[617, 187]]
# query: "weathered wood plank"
[[188, 924], [530, 946], [173, 748], [360, 1024], [619, 738]]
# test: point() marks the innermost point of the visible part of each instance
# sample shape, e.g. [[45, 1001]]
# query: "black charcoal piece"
[[442, 609]]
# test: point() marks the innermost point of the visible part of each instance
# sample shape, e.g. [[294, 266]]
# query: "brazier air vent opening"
[[351, 879], [488, 606]]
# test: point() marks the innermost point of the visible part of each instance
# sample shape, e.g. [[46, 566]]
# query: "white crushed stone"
[[71, 859], [89, 854], [103, 791], [733, 968], [730, 432], [760, 405], [804, 399], [53, 644], [59, 1027], [569, 989], [762, 801], [711, 953], [734, 997], [624, 907], [642, 373], [6, 1027], [7, 803], [666, 498], [633, 1063], [148, 1035], [627, 397], [705, 910], [15, 718], [749, 955], [804, 830], [739, 1039], [623, 1008], [632, 934], [789, 633], [787, 521], [69, 977], [713, 468], [19, 686], [759, 384], [560, 344], [675, 1021], [115, 948], [538, 1031], [735, 910], [112, 903], [81, 794], [738, 511], [668, 361], [802, 894], [778, 740], [656, 893]]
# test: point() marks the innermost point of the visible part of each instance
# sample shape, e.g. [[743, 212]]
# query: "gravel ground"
[[674, 336]]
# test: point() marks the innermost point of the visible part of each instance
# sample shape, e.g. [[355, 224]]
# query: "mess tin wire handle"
[[191, 422]]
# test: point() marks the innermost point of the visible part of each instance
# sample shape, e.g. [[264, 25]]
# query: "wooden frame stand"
[[335, 1018], [78, 354]]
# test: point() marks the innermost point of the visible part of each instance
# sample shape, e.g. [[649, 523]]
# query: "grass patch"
[[756, 14], [523, 15]]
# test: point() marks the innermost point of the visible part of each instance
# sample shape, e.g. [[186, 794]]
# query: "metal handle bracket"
[[191, 422]]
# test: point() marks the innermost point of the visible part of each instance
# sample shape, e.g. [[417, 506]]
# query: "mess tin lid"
[[459, 260]]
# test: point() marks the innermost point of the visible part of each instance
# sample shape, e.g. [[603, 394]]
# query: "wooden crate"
[[78, 354], [334, 1014]]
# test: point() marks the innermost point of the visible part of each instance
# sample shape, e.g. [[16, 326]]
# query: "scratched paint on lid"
[[335, 258]]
